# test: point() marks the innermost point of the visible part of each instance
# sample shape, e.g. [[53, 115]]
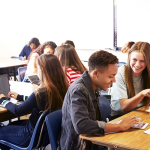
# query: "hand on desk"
[[128, 122], [12, 94]]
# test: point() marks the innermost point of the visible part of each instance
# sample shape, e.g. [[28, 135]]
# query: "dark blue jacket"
[[25, 52], [79, 115], [29, 104]]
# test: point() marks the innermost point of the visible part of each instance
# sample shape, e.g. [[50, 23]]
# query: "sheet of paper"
[[148, 110], [13, 100], [147, 131]]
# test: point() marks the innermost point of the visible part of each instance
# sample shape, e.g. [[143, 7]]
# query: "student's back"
[[49, 95], [70, 61]]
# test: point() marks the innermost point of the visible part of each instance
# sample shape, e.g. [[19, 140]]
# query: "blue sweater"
[[27, 105], [25, 52]]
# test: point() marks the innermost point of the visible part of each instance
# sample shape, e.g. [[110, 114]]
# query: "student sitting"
[[45, 48], [49, 95], [27, 49], [70, 61], [81, 110], [69, 42], [127, 46], [131, 89]]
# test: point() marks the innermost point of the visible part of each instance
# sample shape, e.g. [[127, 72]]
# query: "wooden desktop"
[[130, 139], [11, 63]]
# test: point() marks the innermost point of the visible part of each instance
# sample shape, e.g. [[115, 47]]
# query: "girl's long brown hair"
[[54, 83], [127, 46], [144, 48], [69, 58]]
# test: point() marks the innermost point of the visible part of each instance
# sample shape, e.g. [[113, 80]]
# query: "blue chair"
[[36, 139], [53, 123], [121, 63], [21, 73], [105, 108]]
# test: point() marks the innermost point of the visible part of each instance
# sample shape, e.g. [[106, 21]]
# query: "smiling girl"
[[132, 87]]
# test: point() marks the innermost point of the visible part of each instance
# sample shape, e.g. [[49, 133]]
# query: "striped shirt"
[[72, 75]]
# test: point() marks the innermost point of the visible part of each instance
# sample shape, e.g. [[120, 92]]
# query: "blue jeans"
[[18, 132]]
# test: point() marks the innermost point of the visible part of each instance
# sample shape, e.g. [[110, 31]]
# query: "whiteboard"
[[89, 23], [133, 21]]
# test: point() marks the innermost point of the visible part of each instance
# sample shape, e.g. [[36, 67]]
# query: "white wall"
[[10, 49], [133, 21], [87, 22], [84, 56]]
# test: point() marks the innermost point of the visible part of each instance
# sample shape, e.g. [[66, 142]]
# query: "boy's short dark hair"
[[100, 60]]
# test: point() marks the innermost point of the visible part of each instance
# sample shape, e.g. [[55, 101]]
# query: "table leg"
[[14, 73], [8, 72]]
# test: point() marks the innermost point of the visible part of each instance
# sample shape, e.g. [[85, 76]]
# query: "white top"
[[29, 67], [119, 91]]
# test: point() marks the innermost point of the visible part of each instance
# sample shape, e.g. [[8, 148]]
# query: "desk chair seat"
[[21, 73], [105, 108], [37, 136], [53, 123]]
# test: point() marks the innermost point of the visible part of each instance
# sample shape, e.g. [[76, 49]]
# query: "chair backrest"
[[53, 123], [105, 108], [34, 142], [121, 63], [21, 73], [40, 132]]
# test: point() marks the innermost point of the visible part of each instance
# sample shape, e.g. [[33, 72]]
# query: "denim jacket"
[[79, 115]]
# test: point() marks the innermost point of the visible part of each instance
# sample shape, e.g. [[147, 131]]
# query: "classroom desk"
[[130, 139], [21, 88], [11, 63]]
